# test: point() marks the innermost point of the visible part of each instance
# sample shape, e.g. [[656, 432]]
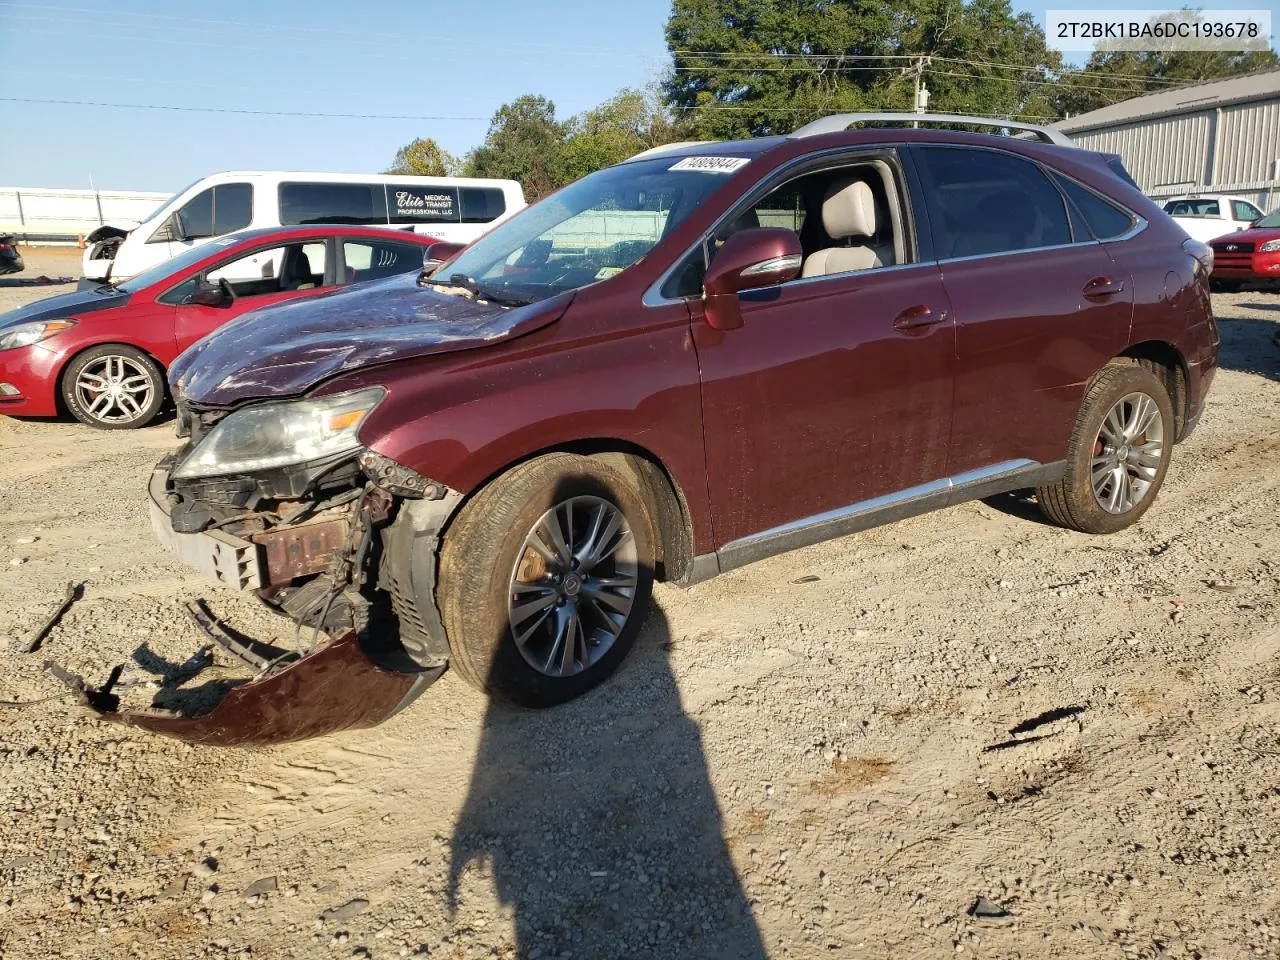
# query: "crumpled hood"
[[285, 349], [64, 305]]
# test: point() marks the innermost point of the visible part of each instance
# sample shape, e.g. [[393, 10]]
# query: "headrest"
[[849, 210]]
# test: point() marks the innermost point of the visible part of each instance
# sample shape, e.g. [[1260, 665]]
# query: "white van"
[[457, 209]]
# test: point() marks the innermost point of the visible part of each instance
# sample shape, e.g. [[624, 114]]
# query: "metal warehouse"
[[1223, 135]]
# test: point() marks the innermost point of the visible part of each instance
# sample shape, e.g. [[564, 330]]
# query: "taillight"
[[1202, 252]]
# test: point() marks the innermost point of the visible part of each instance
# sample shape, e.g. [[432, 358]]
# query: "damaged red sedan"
[[695, 359]]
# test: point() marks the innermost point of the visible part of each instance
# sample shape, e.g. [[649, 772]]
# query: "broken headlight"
[[281, 434]]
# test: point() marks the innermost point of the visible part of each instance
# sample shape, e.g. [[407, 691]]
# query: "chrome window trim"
[[799, 281], [653, 294], [1136, 229]]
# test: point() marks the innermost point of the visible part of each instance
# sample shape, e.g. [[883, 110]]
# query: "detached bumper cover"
[[335, 688], [217, 554]]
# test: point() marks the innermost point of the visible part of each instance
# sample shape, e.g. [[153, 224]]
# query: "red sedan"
[[1250, 256], [102, 352]]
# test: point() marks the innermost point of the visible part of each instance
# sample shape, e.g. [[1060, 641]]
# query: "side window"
[[373, 259], [482, 204], [422, 204], [986, 202], [1105, 220], [196, 216], [295, 266], [355, 203], [232, 207], [1246, 212]]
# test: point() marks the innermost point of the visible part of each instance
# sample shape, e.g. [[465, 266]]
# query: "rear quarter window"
[[1104, 219]]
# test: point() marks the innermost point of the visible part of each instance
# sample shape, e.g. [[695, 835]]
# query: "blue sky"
[[461, 60]]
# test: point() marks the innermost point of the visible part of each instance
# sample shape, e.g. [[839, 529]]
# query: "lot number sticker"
[[711, 164]]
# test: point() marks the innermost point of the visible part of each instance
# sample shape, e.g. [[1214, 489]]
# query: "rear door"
[[1039, 309]]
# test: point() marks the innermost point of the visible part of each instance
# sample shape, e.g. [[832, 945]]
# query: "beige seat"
[[848, 213]]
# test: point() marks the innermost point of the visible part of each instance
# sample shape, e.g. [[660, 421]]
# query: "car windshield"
[[591, 230], [1270, 220], [158, 210], [174, 266]]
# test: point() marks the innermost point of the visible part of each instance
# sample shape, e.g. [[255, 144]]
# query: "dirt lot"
[[832, 753]]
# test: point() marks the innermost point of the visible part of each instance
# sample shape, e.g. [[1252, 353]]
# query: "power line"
[[256, 113]]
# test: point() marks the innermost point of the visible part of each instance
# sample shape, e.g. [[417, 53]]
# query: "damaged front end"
[[307, 536]]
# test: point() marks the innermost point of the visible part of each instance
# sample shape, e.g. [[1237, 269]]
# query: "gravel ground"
[[836, 752]]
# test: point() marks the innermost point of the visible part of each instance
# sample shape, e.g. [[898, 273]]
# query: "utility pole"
[[921, 101]]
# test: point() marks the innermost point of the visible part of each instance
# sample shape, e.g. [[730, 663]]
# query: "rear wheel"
[[113, 387], [545, 578], [1119, 452]]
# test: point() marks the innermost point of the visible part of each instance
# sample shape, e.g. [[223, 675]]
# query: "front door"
[[837, 387], [257, 279]]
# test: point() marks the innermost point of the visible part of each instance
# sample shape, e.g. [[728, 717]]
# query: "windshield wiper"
[[483, 291]]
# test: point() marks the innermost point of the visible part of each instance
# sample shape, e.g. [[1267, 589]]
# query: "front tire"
[[545, 578], [113, 387], [1119, 452]]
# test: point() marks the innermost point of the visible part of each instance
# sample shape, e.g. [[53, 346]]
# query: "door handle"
[[1103, 287], [919, 316]]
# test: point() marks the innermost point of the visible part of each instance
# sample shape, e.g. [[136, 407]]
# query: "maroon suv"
[[698, 358]]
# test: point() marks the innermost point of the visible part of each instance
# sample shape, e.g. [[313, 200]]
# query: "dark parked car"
[[10, 258], [695, 359], [100, 353]]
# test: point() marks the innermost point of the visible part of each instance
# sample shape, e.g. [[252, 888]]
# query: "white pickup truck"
[[1206, 216]]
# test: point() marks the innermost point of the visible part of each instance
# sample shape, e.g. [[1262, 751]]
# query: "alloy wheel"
[[1127, 453], [115, 389], [573, 586]]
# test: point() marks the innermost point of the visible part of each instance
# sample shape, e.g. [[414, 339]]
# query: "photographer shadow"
[[599, 824]]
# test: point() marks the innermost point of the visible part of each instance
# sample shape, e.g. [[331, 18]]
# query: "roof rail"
[[663, 148], [839, 122]]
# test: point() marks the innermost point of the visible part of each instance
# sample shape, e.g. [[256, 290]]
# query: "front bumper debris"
[[311, 543], [337, 687]]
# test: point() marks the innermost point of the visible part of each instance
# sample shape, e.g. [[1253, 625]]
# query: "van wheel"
[[545, 578], [113, 387], [1119, 452]]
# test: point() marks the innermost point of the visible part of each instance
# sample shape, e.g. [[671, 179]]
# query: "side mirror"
[[757, 257], [208, 294], [438, 253]]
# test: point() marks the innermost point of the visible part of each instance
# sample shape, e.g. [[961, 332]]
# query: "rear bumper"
[[33, 373]]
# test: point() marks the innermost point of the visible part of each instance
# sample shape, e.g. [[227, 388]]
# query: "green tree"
[[627, 123], [525, 142], [424, 158], [758, 67]]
